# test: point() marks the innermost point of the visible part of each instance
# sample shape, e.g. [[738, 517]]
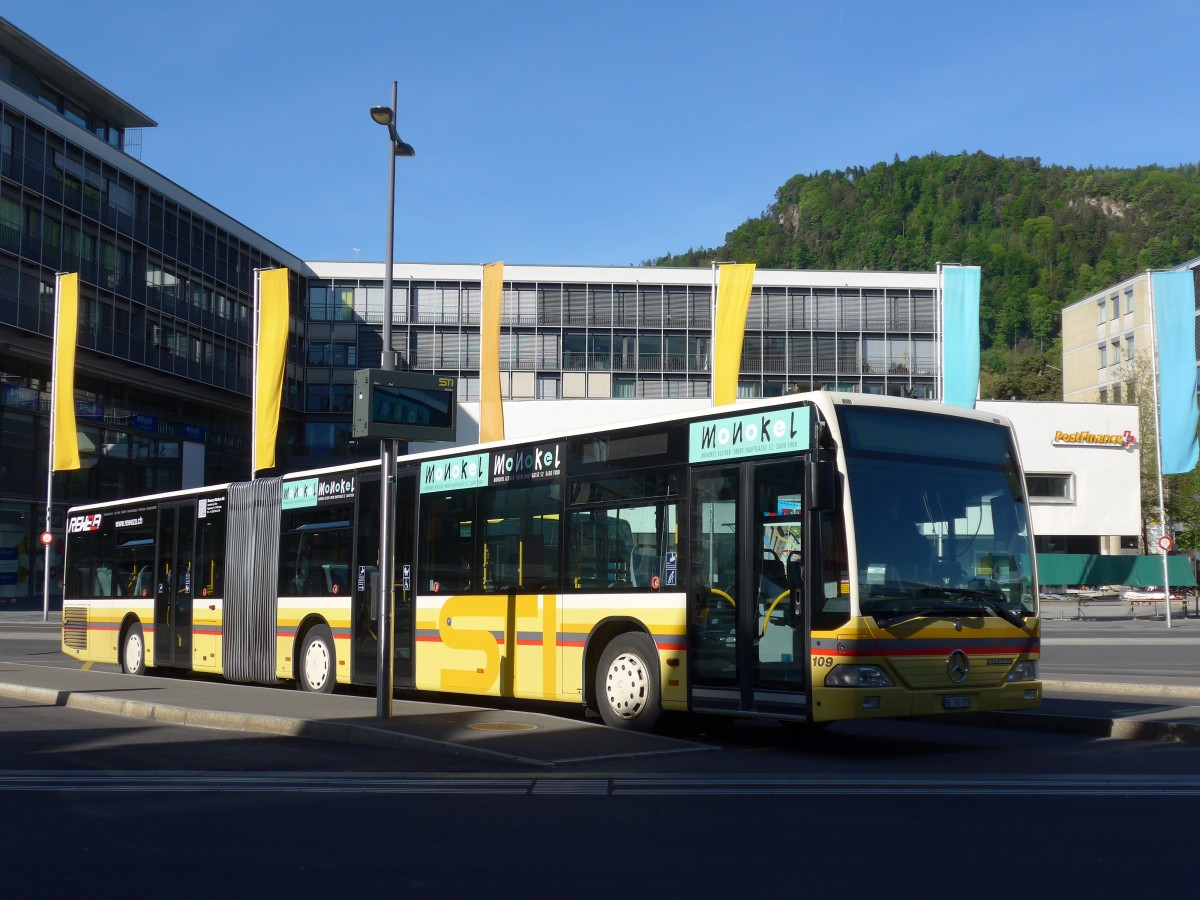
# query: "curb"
[[258, 723], [341, 732], [1174, 691], [1090, 726], [1129, 729]]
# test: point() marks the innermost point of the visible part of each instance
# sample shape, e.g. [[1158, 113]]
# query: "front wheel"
[[316, 666], [627, 683], [133, 651]]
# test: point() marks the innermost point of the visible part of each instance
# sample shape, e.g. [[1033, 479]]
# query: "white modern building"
[[1083, 473]]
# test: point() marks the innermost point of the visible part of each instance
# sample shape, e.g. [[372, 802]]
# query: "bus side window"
[[314, 552], [602, 550], [447, 542]]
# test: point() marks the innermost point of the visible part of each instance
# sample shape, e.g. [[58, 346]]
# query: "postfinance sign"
[[736, 437], [1125, 441]]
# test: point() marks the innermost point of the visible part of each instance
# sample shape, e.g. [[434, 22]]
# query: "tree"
[[1027, 373], [1181, 493], [1044, 236]]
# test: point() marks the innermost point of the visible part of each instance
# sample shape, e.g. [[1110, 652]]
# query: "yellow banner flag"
[[66, 440], [491, 409], [734, 284], [272, 355]]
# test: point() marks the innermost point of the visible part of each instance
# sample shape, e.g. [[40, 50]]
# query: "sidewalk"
[[498, 736], [523, 738]]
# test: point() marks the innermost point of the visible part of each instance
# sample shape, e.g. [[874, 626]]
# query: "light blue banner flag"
[[1175, 333], [960, 335]]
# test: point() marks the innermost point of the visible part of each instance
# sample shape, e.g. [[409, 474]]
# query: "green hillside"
[[1044, 236]]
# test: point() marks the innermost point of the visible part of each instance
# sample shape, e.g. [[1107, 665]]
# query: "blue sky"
[[609, 133]]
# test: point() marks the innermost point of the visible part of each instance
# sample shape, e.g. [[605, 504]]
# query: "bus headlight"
[[1026, 670], [858, 676]]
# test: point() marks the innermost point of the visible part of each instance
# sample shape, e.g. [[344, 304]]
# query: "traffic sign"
[[47, 538], [1165, 544]]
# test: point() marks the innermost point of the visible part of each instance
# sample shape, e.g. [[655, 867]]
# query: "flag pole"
[[940, 325], [1162, 507], [256, 325], [46, 548]]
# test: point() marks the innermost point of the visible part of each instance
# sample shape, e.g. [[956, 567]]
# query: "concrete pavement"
[[1155, 709]]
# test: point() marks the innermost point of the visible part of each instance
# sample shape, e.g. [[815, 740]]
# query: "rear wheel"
[[316, 666], [133, 651], [627, 683]]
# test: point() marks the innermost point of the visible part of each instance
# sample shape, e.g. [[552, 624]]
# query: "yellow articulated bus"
[[813, 558]]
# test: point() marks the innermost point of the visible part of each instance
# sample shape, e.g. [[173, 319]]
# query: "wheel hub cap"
[[627, 685]]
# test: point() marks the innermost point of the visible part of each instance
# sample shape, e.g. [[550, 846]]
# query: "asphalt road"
[[107, 804]]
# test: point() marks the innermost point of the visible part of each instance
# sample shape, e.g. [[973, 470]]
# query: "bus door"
[[173, 584], [366, 582], [746, 601], [406, 576]]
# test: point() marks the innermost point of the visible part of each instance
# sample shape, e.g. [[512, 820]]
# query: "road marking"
[[335, 783], [1121, 642]]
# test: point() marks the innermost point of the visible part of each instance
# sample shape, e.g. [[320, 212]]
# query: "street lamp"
[[384, 671], [386, 116]]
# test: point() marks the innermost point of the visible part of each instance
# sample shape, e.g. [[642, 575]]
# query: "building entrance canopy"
[[1086, 569]]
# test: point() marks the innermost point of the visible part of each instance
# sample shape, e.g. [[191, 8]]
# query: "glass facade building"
[[164, 334], [165, 331], [576, 332]]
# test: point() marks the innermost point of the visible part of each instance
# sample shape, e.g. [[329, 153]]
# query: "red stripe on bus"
[[923, 651]]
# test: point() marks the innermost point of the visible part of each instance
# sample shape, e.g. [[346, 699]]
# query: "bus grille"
[[931, 673], [75, 627]]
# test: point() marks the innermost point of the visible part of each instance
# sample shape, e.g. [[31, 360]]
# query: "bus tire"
[[133, 651], [627, 683], [316, 665]]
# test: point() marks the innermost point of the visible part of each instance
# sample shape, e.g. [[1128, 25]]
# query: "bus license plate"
[[956, 703]]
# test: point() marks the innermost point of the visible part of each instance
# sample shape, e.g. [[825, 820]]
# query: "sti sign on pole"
[[404, 406]]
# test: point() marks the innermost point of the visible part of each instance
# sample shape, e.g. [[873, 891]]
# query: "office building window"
[[1050, 488], [1100, 310], [1103, 348], [547, 388]]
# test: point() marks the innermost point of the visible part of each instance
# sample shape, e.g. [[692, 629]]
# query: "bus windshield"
[[940, 517]]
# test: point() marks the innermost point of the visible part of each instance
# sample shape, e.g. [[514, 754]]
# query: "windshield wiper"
[[987, 601], [902, 617]]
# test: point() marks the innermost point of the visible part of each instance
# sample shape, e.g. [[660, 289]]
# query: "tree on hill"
[[1044, 236]]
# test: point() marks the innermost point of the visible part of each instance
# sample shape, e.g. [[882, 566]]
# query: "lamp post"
[[386, 116]]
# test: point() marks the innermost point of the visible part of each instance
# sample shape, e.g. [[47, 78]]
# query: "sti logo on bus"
[[76, 524], [735, 437]]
